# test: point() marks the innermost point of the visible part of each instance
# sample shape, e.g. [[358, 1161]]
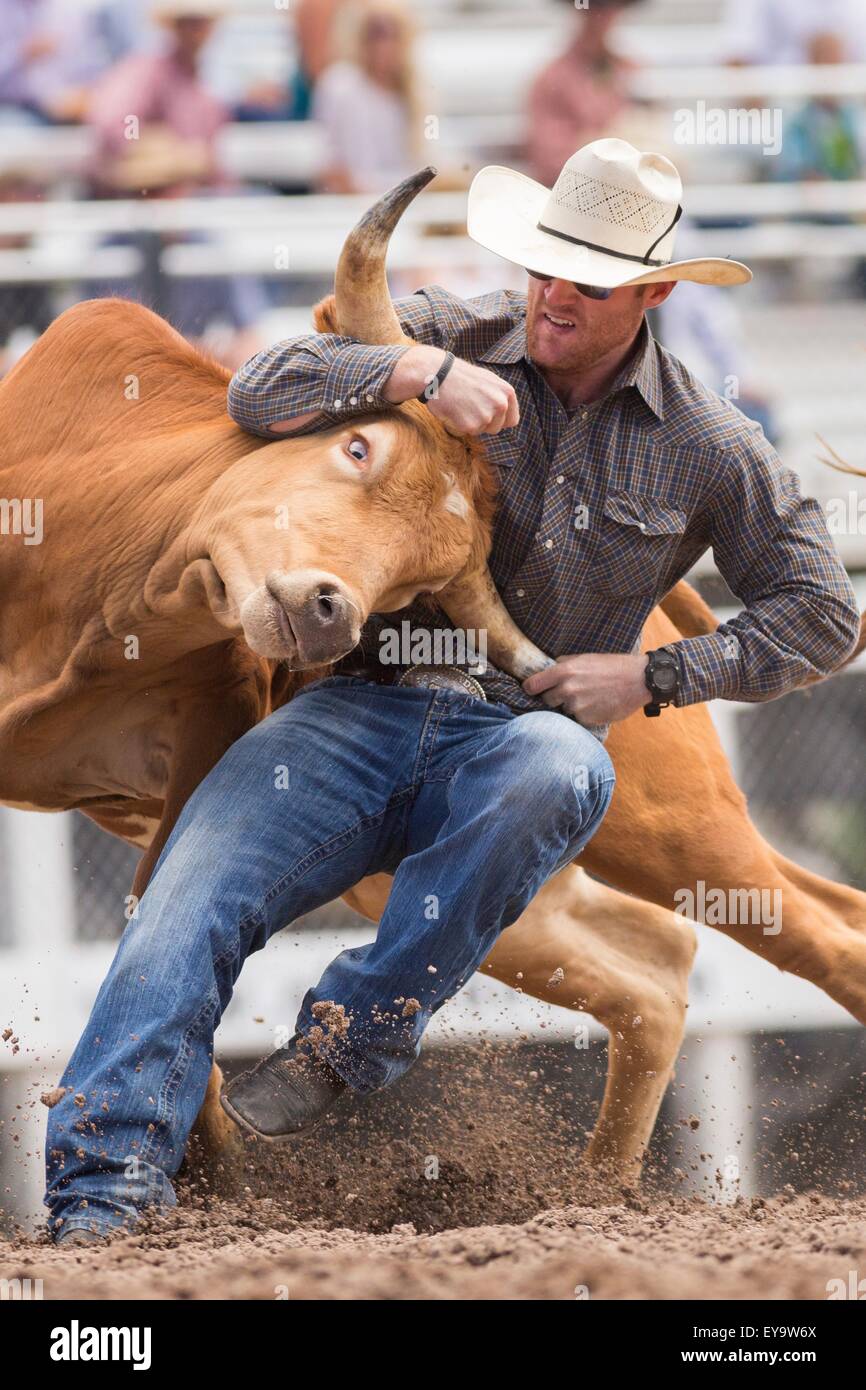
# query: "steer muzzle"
[[307, 618], [322, 619]]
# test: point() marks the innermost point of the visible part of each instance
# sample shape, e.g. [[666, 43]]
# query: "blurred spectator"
[[313, 22], [156, 123], [121, 27], [823, 139], [766, 32], [49, 55], [366, 102], [580, 96]]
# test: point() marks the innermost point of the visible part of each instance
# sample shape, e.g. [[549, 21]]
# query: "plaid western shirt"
[[602, 509]]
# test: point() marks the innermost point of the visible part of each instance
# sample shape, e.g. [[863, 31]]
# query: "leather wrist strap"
[[431, 390]]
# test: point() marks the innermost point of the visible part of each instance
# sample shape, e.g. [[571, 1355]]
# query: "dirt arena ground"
[[671, 1249], [478, 1192]]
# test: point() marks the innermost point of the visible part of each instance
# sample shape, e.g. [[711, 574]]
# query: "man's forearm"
[[315, 383], [411, 373], [777, 644], [322, 378]]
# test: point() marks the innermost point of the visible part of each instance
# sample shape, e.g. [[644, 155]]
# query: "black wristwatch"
[[662, 676]]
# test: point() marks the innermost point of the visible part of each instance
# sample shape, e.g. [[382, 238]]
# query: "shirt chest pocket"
[[636, 540]]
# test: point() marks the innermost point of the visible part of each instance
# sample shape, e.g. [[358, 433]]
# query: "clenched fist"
[[471, 400]]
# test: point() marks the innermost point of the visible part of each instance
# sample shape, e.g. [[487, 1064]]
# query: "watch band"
[[661, 695], [431, 390]]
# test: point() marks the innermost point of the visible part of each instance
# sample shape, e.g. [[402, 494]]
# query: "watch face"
[[664, 678]]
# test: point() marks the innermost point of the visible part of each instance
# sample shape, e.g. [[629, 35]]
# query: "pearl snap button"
[[337, 405], [548, 545], [520, 592], [560, 477], [353, 400]]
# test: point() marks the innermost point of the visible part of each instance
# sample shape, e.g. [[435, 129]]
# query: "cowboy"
[[617, 469]]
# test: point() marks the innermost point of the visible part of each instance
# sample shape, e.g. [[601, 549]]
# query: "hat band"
[[620, 255]]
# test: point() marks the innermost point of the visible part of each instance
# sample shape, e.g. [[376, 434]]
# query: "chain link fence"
[[800, 762], [104, 868]]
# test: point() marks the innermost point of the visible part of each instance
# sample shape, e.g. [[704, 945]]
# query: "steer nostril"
[[325, 606]]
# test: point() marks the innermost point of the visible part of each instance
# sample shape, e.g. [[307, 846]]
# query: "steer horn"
[[363, 300], [365, 311]]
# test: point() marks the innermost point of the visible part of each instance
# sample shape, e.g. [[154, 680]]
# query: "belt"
[[423, 676]]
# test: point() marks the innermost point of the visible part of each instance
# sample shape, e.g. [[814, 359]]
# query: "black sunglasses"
[[589, 291]]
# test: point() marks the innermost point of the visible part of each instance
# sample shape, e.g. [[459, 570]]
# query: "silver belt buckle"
[[443, 678]]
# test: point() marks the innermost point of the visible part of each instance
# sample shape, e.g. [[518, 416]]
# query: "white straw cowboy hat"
[[609, 220]]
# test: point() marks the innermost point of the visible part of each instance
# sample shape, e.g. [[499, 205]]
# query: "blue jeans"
[[468, 805]]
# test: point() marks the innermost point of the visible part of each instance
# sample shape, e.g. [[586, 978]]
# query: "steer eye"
[[357, 449]]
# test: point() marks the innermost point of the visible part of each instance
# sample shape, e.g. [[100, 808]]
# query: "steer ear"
[[471, 601], [325, 315]]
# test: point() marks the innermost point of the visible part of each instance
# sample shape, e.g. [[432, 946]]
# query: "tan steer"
[[181, 559], [677, 817]]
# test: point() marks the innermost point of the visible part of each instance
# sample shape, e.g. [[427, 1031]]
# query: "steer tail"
[[688, 612], [836, 461]]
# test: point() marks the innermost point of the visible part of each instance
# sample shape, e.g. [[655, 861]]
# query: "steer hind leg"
[[216, 1148], [676, 799], [625, 962]]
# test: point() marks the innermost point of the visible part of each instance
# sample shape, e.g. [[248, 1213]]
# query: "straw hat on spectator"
[[609, 220], [166, 11], [159, 159]]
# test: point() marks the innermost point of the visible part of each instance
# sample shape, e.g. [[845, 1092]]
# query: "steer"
[[190, 577], [182, 558], [677, 816]]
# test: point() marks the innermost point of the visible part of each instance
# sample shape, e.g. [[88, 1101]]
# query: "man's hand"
[[471, 400], [593, 689]]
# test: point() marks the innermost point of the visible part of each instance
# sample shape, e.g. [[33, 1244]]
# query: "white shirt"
[[366, 127]]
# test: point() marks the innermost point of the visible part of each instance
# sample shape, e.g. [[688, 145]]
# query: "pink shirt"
[[570, 103], [158, 91]]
